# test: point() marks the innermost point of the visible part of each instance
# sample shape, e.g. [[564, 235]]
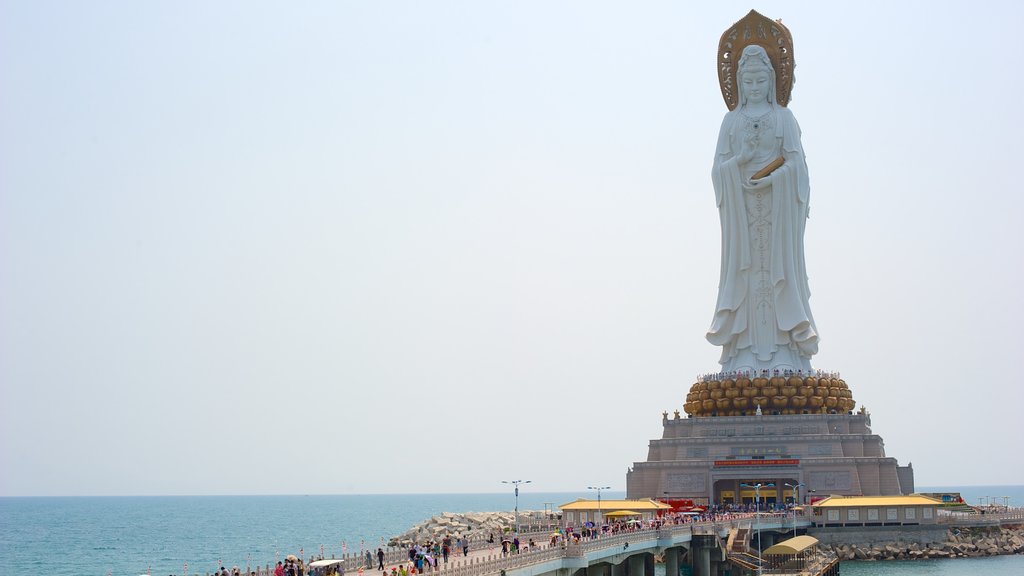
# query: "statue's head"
[[756, 75]]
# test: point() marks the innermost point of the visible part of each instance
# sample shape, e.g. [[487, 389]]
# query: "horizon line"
[[307, 494]]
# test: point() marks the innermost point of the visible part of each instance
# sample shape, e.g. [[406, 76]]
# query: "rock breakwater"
[[959, 543], [473, 525]]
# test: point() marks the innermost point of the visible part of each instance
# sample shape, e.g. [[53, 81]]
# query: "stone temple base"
[[708, 459]]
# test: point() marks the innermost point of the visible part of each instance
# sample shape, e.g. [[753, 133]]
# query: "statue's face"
[[755, 85]]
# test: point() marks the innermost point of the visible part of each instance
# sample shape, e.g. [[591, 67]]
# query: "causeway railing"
[[1008, 516], [543, 552]]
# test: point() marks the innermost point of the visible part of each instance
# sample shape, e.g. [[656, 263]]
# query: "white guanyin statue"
[[762, 319]]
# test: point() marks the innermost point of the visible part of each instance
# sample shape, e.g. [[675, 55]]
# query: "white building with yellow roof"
[[844, 511], [581, 511]]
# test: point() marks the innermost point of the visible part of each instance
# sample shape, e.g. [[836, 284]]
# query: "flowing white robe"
[[762, 319]]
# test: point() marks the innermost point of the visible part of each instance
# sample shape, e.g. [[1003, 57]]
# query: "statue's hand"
[[747, 150], [760, 182]]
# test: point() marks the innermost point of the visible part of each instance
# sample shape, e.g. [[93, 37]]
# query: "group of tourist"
[[424, 557], [292, 566], [514, 545], [713, 513], [234, 572]]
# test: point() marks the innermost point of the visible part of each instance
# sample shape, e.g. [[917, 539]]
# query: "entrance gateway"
[[738, 491], [767, 416]]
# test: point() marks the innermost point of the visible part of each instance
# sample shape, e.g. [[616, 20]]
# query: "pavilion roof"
[[641, 505], [860, 501], [793, 546]]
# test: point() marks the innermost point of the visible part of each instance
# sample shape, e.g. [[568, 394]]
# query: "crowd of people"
[[425, 556], [431, 555], [713, 513], [236, 571]]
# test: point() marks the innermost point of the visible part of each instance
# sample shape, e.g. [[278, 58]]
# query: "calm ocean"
[[130, 535]]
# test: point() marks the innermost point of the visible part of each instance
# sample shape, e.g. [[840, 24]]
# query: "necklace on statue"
[[757, 124]]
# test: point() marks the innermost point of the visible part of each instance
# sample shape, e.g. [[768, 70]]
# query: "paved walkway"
[[477, 551]]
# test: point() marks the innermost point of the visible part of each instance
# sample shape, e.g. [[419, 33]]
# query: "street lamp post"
[[796, 501], [600, 516], [757, 515], [516, 483], [993, 501]]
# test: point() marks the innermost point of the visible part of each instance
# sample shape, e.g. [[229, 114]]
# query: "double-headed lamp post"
[[796, 501], [516, 483], [757, 514], [600, 517]]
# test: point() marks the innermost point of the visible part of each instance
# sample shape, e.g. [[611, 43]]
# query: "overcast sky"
[[363, 247]]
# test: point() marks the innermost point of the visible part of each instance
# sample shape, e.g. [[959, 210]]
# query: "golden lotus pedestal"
[[775, 395]]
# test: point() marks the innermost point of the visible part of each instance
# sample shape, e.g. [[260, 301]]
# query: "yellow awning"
[[793, 545], [619, 513]]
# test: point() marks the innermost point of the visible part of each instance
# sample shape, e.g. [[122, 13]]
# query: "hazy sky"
[[359, 247]]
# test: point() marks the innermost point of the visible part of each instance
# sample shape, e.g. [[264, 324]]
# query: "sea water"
[[995, 565], [133, 535]]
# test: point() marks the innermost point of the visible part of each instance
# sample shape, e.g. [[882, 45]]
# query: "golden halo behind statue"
[[766, 33]]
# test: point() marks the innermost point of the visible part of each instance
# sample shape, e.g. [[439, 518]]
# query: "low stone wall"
[[868, 535], [903, 544]]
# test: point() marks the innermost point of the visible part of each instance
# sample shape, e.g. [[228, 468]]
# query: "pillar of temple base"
[[599, 570], [619, 569]]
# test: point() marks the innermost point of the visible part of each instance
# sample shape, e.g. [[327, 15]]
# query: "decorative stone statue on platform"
[[762, 319]]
